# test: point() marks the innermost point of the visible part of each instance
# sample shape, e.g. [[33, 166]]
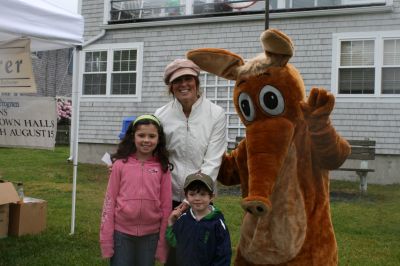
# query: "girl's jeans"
[[134, 250]]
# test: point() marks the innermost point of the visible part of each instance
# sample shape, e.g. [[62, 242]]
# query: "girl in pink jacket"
[[138, 198]]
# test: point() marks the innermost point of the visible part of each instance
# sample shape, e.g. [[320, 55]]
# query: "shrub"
[[64, 111]]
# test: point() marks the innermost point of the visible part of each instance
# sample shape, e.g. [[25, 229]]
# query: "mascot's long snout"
[[267, 143]]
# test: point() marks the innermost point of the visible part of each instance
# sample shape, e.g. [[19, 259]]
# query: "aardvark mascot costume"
[[283, 163]]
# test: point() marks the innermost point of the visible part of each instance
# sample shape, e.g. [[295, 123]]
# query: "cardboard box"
[[4, 210], [28, 217], [8, 194]]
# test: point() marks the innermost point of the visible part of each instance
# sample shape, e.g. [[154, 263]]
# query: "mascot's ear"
[[217, 61], [278, 47]]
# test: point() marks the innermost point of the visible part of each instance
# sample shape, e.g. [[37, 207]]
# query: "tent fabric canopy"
[[48, 26]]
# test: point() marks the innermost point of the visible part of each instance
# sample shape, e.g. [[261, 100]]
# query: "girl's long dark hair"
[[127, 145]]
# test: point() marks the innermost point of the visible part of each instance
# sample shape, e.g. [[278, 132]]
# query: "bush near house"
[[367, 228], [64, 114], [64, 111]]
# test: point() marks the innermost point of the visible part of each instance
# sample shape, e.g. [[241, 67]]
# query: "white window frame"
[[378, 38], [210, 84], [110, 48]]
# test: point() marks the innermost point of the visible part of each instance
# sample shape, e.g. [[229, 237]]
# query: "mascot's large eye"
[[271, 100], [246, 106]]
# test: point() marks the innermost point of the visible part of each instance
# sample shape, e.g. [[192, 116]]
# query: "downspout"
[[95, 38]]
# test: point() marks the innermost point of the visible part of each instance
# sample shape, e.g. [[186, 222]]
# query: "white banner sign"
[[16, 73], [29, 122]]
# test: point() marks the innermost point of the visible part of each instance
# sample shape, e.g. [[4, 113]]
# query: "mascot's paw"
[[318, 108], [256, 205]]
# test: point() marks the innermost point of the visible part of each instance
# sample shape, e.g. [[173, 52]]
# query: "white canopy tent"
[[49, 27]]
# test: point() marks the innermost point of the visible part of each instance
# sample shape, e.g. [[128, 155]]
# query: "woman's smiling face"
[[184, 89]]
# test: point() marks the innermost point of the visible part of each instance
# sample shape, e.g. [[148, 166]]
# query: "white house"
[[350, 47]]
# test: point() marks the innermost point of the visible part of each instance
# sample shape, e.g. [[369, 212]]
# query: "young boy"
[[200, 235]]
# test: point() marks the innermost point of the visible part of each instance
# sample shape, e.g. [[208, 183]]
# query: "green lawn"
[[367, 228]]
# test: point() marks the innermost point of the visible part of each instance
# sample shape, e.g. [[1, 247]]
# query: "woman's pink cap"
[[179, 68]]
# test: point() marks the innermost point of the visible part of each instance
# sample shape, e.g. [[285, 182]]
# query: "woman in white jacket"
[[195, 128]]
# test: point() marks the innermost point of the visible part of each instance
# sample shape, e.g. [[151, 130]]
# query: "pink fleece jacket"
[[137, 202]]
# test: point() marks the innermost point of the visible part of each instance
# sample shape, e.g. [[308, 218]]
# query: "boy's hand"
[[174, 216], [183, 206], [177, 212]]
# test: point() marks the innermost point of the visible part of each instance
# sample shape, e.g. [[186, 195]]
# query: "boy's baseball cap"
[[207, 180]]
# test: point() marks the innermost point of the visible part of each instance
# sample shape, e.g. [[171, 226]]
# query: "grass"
[[367, 228]]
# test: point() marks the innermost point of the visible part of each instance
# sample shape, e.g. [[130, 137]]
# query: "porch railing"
[[138, 10]]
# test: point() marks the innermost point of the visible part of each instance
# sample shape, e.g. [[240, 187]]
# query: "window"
[[95, 73], [391, 67], [327, 3], [113, 71], [140, 10], [366, 64], [220, 91], [356, 71], [124, 72], [313, 3]]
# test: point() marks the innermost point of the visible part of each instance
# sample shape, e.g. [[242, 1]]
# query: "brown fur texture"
[[283, 163]]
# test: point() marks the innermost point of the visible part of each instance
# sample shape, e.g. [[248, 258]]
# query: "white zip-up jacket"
[[196, 143]]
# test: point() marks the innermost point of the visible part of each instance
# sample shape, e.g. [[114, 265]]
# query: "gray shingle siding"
[[100, 122], [51, 73], [93, 12]]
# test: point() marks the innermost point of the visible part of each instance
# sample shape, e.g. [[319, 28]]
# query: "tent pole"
[[75, 130]]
